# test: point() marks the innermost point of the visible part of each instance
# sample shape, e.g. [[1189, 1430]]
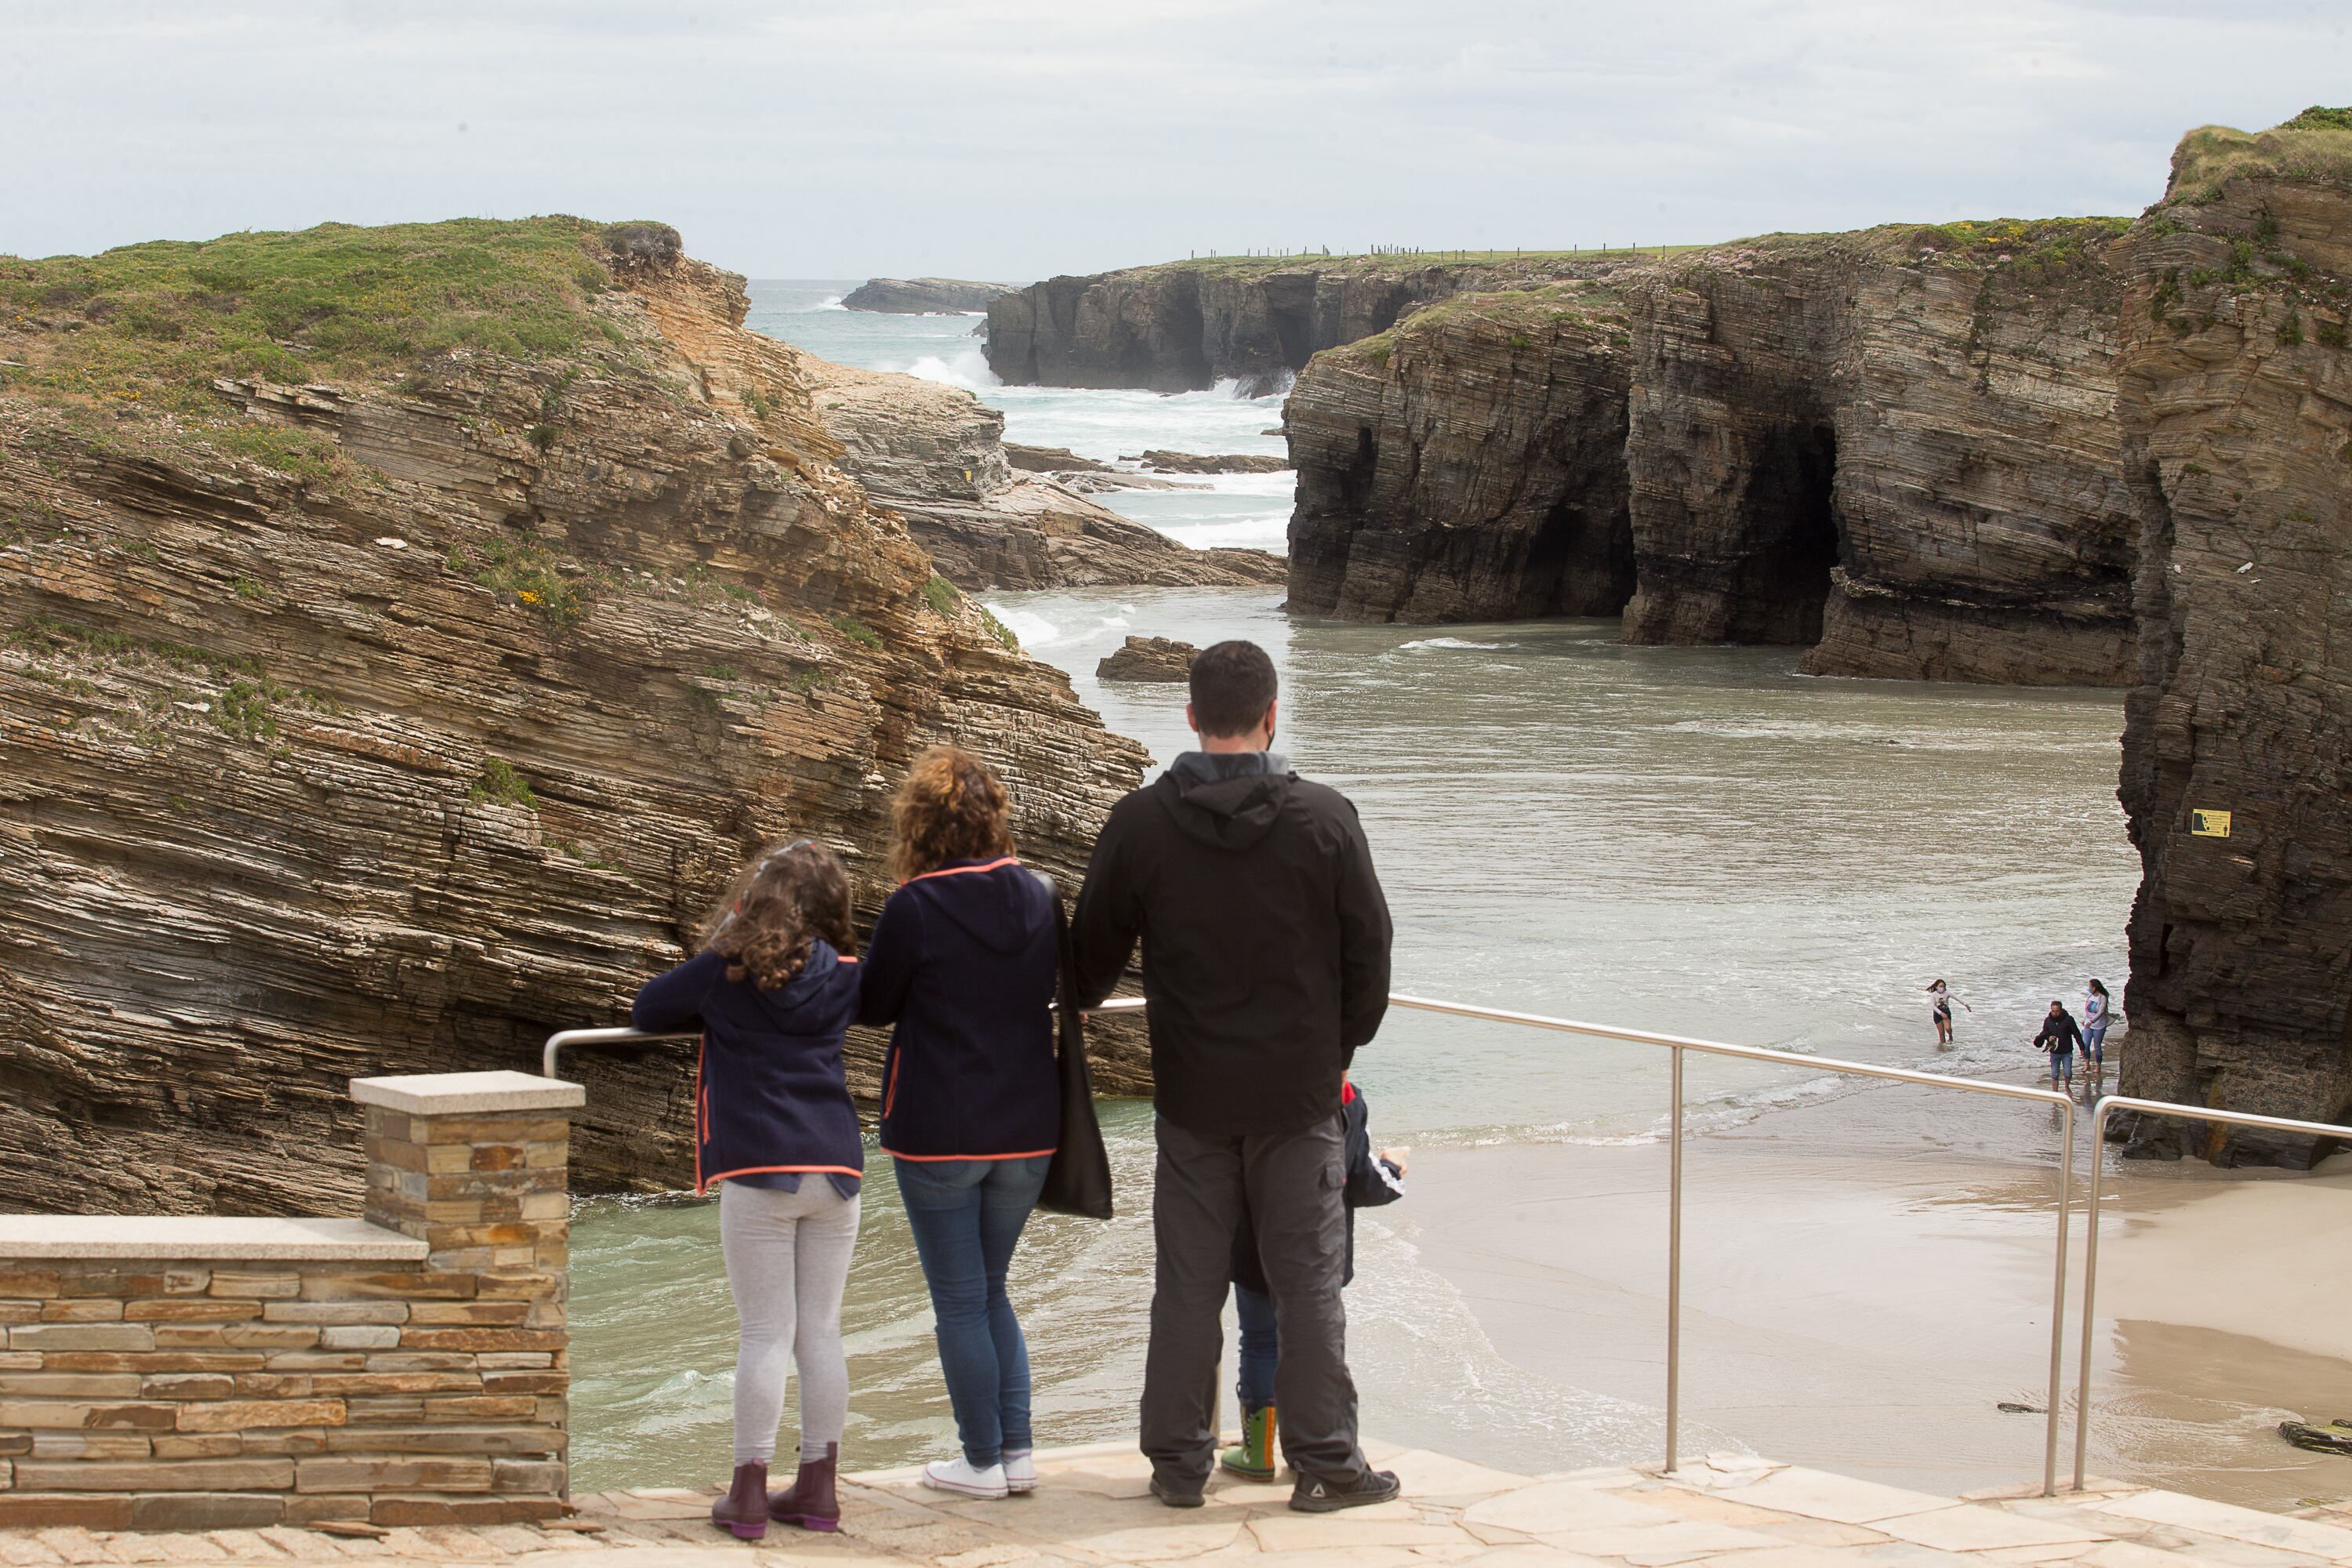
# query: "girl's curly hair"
[[950, 808], [789, 895]]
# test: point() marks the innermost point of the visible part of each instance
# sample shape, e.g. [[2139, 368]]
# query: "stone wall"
[[405, 1369]]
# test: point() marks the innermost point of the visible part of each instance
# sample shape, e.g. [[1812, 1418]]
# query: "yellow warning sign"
[[2208, 824]]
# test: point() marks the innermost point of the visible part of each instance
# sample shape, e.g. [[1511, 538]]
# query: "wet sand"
[[1866, 1281]]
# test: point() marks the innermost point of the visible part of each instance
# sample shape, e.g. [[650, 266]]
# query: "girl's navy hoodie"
[[770, 1101], [962, 961]]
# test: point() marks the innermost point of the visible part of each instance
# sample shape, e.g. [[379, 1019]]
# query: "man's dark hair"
[[1233, 686]]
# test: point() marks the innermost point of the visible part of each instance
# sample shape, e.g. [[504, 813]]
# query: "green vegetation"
[[2330, 334], [2315, 147], [857, 631], [999, 630], [152, 326], [243, 707], [2290, 331], [1533, 263], [500, 784], [521, 573], [942, 597]]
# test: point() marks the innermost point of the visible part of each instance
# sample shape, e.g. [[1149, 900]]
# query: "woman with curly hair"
[[962, 964], [771, 991]]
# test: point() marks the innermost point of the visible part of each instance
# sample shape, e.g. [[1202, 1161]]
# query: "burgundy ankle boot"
[[744, 1509], [809, 1501]]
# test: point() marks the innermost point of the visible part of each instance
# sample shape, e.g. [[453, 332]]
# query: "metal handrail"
[[1678, 1044], [2108, 1102]]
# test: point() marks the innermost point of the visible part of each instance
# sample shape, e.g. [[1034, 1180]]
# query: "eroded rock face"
[[1896, 450], [1186, 326], [1468, 466], [2237, 401], [400, 766], [1148, 660], [923, 296], [936, 456]]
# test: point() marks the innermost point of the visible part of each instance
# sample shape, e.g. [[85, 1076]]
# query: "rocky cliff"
[[1467, 466], [936, 455], [1895, 449], [2236, 404], [1186, 326], [924, 296], [405, 633]]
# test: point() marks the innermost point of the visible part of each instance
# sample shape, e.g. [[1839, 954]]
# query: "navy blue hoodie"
[[962, 961], [770, 1101]]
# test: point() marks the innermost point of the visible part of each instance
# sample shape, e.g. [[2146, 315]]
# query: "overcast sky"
[[1013, 139]]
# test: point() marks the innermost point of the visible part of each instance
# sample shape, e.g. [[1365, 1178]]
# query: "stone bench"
[[407, 1367]]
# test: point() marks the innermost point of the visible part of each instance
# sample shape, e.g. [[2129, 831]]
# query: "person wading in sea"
[[1265, 962]]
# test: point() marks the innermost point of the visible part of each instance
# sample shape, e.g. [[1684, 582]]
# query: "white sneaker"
[[1020, 1471], [957, 1475]]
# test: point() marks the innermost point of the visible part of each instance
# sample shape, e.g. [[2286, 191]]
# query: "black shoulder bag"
[[1078, 1179]]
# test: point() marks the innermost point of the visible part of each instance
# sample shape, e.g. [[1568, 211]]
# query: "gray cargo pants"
[[1292, 1184]]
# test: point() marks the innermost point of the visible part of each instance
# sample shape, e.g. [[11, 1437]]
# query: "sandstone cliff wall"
[[1185, 326], [2237, 401], [416, 716], [1896, 450], [1468, 467]]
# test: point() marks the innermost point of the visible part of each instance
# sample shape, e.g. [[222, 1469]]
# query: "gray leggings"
[[787, 1260]]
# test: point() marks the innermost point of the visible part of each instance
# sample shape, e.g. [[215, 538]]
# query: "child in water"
[[1940, 999], [1371, 1181], [2058, 1035]]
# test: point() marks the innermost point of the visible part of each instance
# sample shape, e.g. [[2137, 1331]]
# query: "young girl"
[[771, 991], [2096, 1014], [1940, 997], [962, 964]]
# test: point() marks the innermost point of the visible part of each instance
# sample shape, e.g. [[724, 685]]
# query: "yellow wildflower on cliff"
[[527, 597]]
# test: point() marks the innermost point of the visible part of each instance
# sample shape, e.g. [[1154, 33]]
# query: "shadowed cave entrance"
[[1788, 519]]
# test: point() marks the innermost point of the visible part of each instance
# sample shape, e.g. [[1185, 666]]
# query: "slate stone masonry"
[[405, 1369]]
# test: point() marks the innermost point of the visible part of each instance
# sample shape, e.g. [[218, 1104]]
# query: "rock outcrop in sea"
[[936, 456], [924, 296], [404, 632], [1148, 660], [1185, 326], [1895, 449]]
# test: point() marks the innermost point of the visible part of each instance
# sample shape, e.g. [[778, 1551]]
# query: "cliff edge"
[[404, 632]]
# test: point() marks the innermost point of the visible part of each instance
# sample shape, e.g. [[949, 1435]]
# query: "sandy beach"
[[1866, 1282]]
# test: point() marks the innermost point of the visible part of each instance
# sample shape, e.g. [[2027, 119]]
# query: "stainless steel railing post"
[[1675, 1274], [2058, 1303], [2091, 1243]]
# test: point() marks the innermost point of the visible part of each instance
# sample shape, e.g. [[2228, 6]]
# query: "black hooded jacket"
[[1266, 938]]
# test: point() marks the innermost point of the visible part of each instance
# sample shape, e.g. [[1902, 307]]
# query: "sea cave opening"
[[1789, 516]]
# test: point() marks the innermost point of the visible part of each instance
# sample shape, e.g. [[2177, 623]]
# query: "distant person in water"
[[1372, 1180], [1265, 960], [1939, 1001], [2058, 1037], [771, 991], [2097, 1012]]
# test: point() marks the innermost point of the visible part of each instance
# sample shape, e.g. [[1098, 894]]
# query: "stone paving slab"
[[1093, 1509]]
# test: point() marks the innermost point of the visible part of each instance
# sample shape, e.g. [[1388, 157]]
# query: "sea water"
[[1694, 840]]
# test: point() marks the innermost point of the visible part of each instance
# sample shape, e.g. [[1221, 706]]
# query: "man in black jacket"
[[1265, 962]]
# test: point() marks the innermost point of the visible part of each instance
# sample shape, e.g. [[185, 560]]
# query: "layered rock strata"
[[2236, 383], [1894, 448], [1468, 466], [410, 715], [936, 456], [1148, 660], [1185, 326], [924, 296]]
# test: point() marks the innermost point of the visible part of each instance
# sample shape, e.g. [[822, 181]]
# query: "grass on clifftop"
[[155, 325], [1384, 264], [2315, 147]]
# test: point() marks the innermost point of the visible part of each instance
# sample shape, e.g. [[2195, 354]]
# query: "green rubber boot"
[[1255, 1457]]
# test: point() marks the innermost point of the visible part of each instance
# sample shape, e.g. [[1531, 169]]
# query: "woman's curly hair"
[[950, 808], [789, 895]]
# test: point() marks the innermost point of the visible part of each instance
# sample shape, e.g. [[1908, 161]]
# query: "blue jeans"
[[1261, 1346], [967, 1216], [2061, 1066]]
